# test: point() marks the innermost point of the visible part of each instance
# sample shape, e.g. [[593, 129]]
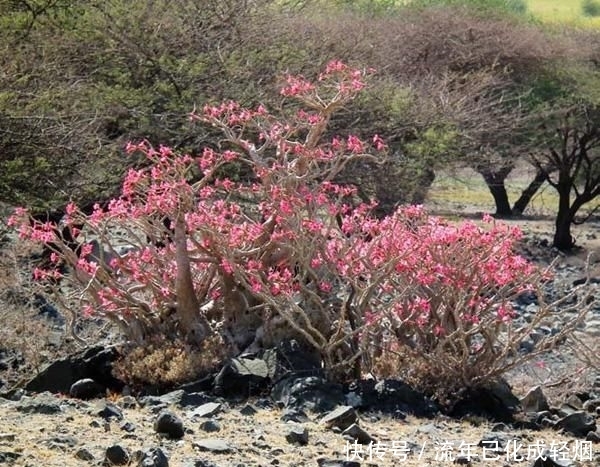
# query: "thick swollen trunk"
[[495, 183], [528, 193], [193, 325]]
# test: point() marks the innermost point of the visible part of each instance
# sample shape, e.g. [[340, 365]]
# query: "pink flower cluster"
[[291, 239]]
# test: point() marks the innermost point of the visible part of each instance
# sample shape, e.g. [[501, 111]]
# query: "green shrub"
[[509, 6], [590, 8]]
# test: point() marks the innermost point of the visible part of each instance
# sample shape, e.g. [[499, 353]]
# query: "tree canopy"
[[457, 84]]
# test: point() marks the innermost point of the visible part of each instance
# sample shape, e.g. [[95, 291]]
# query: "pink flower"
[[355, 145], [335, 66], [379, 143], [226, 266], [296, 86]]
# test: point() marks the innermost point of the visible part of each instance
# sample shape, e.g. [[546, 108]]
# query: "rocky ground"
[[47, 430], [297, 426]]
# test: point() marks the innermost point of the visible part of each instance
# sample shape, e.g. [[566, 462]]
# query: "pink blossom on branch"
[[212, 249]]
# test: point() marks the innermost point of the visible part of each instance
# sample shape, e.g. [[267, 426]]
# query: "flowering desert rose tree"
[[291, 254], [243, 255]]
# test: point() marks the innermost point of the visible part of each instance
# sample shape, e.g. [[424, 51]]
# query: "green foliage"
[[518, 7], [371, 7], [590, 8], [563, 84], [435, 145], [131, 71]]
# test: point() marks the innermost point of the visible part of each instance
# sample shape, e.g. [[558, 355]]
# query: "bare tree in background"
[[570, 162]]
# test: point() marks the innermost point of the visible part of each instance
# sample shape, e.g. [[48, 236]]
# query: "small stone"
[[493, 442], [128, 427], [462, 460], [210, 426], [548, 460], [536, 336], [294, 415], [297, 434], [593, 436], [7, 437], [428, 429], [248, 410], [356, 433], [208, 410], [16, 395], [153, 457], [44, 403], [242, 376], [194, 399], [117, 455], [535, 401], [575, 402], [8, 456], [199, 463], [527, 345], [169, 424], [342, 417], [86, 388], [336, 463], [109, 410], [353, 399], [578, 423], [566, 409], [173, 397], [213, 445], [591, 405], [84, 454], [156, 409], [264, 403], [60, 441], [500, 427], [547, 422], [127, 402], [260, 443]]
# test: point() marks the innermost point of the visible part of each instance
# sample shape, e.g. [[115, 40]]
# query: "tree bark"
[[563, 240], [495, 182], [528, 193]]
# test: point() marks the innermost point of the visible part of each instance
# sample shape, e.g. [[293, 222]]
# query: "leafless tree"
[[570, 162]]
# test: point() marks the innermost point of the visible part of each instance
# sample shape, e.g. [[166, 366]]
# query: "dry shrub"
[[416, 43], [166, 363], [419, 372], [445, 366], [27, 340], [558, 380], [464, 71]]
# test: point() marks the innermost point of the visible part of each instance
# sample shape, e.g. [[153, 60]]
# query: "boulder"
[[94, 363]]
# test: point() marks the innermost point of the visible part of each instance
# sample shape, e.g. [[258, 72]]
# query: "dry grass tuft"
[[166, 363]]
